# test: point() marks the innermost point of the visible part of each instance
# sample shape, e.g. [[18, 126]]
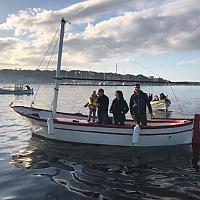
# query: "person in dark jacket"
[[119, 108], [138, 103], [102, 105]]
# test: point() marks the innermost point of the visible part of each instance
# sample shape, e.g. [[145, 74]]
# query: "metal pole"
[[55, 99]]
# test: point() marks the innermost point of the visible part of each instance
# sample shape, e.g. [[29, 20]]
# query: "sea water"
[[34, 168]]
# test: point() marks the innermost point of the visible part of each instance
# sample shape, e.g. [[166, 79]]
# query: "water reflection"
[[196, 155], [41, 153], [103, 172]]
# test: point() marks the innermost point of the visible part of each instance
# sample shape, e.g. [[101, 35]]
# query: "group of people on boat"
[[100, 102]]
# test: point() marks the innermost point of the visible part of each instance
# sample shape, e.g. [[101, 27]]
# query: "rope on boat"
[[49, 46], [134, 61], [12, 102], [179, 105], [48, 49], [116, 51]]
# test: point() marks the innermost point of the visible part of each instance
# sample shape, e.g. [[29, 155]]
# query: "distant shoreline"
[[106, 85], [45, 77]]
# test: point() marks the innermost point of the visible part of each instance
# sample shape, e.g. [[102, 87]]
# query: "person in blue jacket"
[[138, 103]]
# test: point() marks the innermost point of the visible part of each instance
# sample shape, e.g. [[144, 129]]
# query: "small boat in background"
[[19, 89], [161, 103]]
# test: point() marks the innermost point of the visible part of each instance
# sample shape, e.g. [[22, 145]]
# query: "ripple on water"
[[32, 168], [102, 173]]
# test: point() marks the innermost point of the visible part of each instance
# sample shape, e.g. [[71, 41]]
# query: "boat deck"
[[128, 123]]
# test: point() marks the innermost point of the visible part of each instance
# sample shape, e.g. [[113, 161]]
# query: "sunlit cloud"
[[130, 28]]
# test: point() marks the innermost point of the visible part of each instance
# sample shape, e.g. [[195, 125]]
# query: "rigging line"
[[117, 52], [168, 84], [179, 105], [134, 61], [49, 46], [50, 61], [11, 103], [52, 53], [32, 103], [177, 100]]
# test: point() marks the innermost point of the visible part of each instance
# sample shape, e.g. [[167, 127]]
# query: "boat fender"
[[50, 126], [196, 130], [136, 134]]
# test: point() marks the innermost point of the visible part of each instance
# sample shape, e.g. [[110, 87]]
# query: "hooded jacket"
[[119, 107], [138, 103]]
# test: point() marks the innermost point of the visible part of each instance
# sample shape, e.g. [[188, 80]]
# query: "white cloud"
[[130, 28], [38, 20], [189, 62]]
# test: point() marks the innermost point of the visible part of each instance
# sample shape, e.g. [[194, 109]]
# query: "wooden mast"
[[55, 99]]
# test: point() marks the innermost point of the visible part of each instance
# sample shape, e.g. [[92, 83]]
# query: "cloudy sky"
[[150, 37]]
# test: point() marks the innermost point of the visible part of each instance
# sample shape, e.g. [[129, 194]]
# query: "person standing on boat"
[[119, 108], [138, 103], [102, 105], [162, 96], [92, 106]]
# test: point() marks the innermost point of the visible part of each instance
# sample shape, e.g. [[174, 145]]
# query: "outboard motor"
[[196, 130]]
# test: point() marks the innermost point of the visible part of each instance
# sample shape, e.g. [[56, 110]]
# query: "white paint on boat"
[[50, 125], [75, 128], [136, 134]]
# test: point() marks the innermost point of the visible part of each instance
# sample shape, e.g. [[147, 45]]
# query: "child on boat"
[[92, 106]]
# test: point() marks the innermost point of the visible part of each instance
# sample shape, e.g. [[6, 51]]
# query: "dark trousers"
[[119, 118], [102, 117], [140, 119], [92, 114]]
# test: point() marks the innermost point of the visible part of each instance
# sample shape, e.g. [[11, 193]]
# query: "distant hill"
[[47, 76]]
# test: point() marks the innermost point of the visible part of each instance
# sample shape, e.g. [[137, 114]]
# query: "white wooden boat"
[[75, 128], [19, 89]]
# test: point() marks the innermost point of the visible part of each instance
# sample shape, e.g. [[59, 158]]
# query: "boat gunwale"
[[108, 133], [12, 91], [187, 121]]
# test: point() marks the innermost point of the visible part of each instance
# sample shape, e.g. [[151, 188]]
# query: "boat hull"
[[23, 92], [93, 133]]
